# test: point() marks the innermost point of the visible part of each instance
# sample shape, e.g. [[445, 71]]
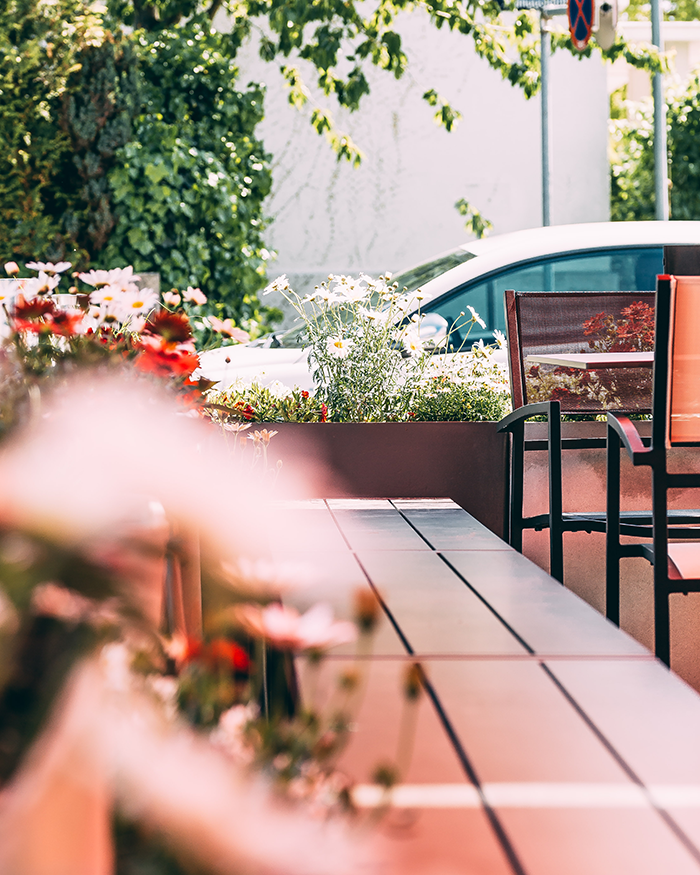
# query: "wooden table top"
[[549, 741], [587, 361]]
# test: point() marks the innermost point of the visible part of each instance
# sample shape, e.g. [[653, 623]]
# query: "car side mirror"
[[433, 328]]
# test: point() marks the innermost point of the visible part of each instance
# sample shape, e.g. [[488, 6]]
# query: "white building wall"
[[397, 209]]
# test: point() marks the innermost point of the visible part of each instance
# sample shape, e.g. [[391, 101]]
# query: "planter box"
[[464, 461]]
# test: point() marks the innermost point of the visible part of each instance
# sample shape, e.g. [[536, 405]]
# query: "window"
[[632, 269]]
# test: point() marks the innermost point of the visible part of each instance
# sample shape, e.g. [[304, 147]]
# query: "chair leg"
[[662, 619], [517, 467], [662, 614], [612, 529], [556, 509]]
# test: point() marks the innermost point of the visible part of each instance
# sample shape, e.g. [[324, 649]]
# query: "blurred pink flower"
[[108, 744], [287, 629], [196, 296], [172, 299], [226, 326]]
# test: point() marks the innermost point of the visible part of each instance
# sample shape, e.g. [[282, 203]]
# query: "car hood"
[[266, 365]]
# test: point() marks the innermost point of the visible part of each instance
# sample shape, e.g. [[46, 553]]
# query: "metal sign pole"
[[660, 145], [545, 54]]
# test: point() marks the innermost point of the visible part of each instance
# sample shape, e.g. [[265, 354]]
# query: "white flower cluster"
[[481, 366], [371, 347], [117, 298]]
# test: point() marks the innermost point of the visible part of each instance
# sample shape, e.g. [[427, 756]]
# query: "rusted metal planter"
[[464, 461]]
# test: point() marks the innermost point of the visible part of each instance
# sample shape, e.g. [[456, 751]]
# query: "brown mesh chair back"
[[683, 401], [580, 322], [682, 260]]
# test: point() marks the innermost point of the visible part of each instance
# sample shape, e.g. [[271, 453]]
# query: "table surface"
[[549, 741], [590, 360]]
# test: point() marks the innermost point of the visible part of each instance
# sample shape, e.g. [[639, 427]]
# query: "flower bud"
[[349, 680], [413, 681], [385, 775], [367, 609], [12, 268]]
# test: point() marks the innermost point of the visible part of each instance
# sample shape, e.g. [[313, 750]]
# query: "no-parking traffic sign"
[[581, 15]]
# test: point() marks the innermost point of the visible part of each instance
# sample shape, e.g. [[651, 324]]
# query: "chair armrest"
[[631, 439], [541, 408]]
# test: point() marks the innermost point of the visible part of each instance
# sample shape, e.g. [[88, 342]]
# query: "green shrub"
[[444, 399], [632, 142], [188, 188]]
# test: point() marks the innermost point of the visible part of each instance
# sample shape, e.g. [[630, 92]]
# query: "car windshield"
[[292, 338], [417, 276]]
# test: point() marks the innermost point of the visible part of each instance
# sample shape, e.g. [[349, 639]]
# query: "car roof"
[[505, 250]]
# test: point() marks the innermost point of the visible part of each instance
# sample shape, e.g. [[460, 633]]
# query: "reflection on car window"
[[422, 274], [292, 338], [606, 270]]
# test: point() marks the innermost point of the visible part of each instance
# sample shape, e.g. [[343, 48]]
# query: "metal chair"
[[676, 423], [565, 322]]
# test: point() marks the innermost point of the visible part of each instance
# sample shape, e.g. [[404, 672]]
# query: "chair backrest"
[[677, 363], [682, 260], [567, 322]]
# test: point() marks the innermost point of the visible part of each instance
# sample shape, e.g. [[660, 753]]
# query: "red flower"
[[174, 328], [158, 356], [222, 653], [34, 308], [65, 323], [324, 413]]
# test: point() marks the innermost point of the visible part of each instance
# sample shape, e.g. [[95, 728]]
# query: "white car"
[[600, 256]]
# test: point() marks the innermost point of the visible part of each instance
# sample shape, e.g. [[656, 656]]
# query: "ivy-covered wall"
[[131, 147]]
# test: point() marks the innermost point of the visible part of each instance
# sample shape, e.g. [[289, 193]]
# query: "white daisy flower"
[[350, 289], [281, 284], [412, 343], [475, 316], [377, 316], [39, 285], [105, 294], [48, 266], [137, 302], [124, 277], [95, 278], [339, 346]]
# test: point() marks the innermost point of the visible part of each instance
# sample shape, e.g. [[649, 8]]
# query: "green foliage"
[[256, 403], [632, 166], [632, 142], [444, 399], [97, 112], [188, 189], [474, 222], [673, 10], [40, 43]]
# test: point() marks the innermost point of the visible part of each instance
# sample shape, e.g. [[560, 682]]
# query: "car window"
[[631, 269], [418, 276]]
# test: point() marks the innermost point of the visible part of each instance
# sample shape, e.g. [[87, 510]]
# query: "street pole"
[[545, 54], [660, 145]]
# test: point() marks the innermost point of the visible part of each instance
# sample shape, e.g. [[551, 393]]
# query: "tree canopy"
[[126, 137]]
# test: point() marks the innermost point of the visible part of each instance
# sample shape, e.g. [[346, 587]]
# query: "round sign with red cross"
[[581, 14]]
